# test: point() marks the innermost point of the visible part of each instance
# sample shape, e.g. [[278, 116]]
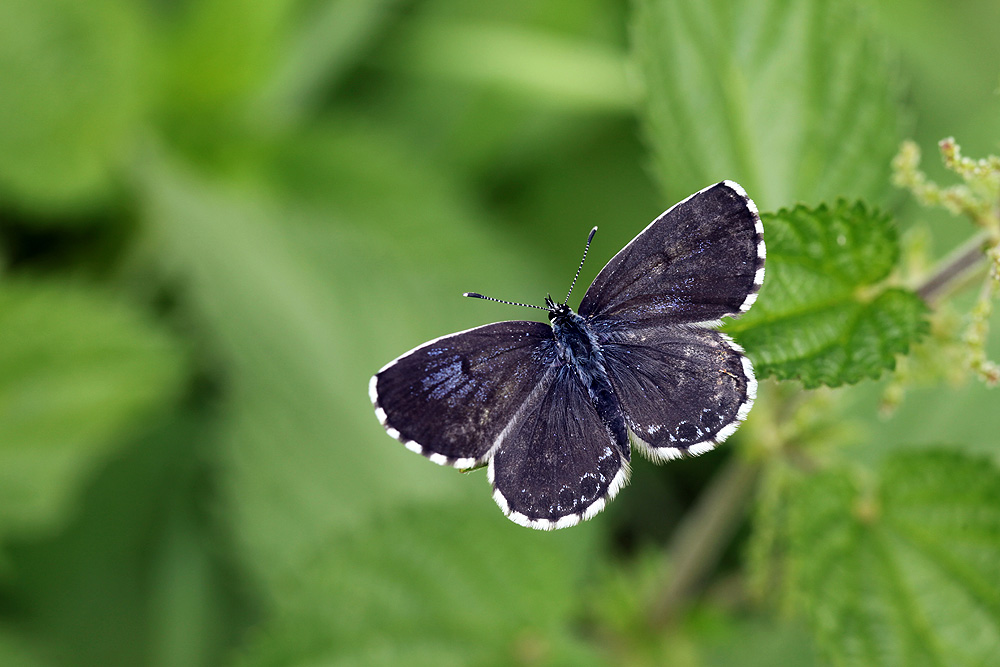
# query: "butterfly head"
[[558, 312]]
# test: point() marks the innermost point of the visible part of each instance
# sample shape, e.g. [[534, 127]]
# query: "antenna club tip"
[[474, 295], [592, 232]]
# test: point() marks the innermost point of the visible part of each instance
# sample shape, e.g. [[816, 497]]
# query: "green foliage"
[[823, 316], [77, 368], [433, 583], [542, 66], [975, 198], [72, 98], [901, 571], [794, 100], [15, 651], [140, 574], [253, 206], [216, 61]]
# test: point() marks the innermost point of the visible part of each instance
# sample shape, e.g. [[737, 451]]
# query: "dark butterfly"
[[554, 408]]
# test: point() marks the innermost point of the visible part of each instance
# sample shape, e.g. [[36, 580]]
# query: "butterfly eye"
[[559, 311]]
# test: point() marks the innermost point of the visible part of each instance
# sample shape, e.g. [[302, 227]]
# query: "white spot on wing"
[[726, 431], [701, 448], [668, 453], [749, 301], [620, 480], [594, 508], [736, 187], [501, 501], [733, 344], [751, 378], [523, 520]]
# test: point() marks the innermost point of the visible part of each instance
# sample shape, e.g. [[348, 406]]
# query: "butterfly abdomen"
[[578, 348]]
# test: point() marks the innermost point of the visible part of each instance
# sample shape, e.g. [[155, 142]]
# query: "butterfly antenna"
[[580, 268], [476, 295]]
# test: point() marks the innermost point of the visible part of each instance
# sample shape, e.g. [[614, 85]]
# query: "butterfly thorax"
[[575, 342], [579, 350]]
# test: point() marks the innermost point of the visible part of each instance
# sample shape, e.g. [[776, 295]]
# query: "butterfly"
[[555, 409]]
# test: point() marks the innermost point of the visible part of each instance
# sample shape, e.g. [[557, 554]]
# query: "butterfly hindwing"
[[702, 259], [451, 398], [559, 464], [683, 389]]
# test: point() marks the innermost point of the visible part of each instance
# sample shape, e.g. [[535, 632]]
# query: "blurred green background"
[[218, 218]]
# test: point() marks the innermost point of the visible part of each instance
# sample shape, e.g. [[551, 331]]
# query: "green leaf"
[[541, 66], [437, 581], [750, 641], [822, 317], [792, 99], [318, 54], [71, 98], [76, 369], [16, 650], [222, 51], [141, 574], [903, 573]]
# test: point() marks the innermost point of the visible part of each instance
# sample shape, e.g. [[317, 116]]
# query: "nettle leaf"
[[71, 97], [905, 573], [16, 650], [76, 369], [518, 61], [822, 317], [214, 60], [432, 584], [318, 53], [794, 100]]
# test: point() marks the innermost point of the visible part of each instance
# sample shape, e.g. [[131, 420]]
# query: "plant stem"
[[704, 533], [953, 270]]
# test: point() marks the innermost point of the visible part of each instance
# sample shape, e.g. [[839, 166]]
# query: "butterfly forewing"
[[451, 399], [702, 259]]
